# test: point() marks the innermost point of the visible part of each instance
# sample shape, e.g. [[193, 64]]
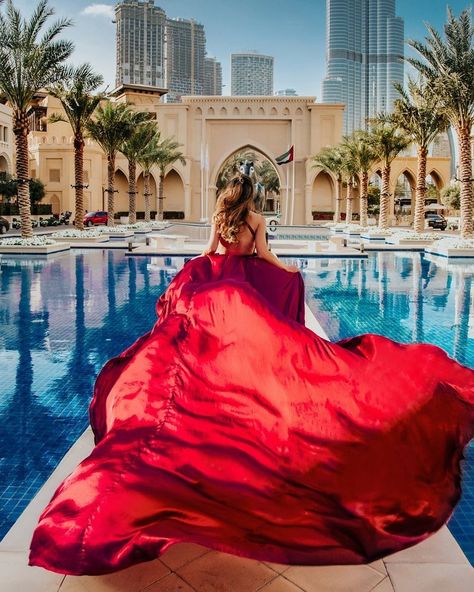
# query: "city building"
[[185, 54], [286, 92], [251, 74], [212, 77], [364, 57], [140, 43]]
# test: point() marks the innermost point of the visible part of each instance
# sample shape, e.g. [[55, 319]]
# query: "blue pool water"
[[63, 317]]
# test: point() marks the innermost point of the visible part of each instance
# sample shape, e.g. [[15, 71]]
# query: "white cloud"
[[106, 10]]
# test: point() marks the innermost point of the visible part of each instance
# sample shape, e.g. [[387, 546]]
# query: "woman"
[[233, 426]]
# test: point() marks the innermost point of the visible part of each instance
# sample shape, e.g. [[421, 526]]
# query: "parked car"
[[4, 225], [436, 221], [93, 218]]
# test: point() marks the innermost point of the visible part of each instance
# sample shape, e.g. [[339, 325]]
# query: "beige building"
[[210, 130], [6, 140]]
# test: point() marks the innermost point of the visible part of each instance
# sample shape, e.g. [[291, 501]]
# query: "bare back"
[[246, 238]]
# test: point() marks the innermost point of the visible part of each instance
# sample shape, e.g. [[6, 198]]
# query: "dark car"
[[94, 218], [4, 225], [436, 221]]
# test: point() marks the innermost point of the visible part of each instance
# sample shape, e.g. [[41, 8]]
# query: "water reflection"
[[57, 331], [405, 296]]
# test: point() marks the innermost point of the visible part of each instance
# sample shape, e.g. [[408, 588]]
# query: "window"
[[54, 175], [85, 177]]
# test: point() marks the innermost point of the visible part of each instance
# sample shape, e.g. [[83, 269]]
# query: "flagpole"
[[293, 187]]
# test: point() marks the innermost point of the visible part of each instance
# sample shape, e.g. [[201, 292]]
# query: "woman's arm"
[[212, 243], [262, 249]]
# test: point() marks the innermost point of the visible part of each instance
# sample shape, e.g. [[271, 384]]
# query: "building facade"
[[251, 74], [185, 53], [286, 92], [140, 43], [212, 77], [364, 58], [6, 140]]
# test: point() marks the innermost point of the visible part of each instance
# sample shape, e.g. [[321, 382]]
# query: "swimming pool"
[[63, 317]]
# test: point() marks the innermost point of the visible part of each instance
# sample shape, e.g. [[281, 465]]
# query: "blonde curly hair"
[[233, 207]]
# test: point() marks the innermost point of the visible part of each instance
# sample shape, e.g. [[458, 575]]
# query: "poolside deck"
[[436, 565]]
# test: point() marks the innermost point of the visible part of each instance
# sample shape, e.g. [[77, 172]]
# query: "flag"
[[286, 157]]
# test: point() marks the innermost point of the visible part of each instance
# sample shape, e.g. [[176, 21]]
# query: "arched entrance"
[[4, 168], [323, 197], [173, 191], [121, 196], [404, 197], [141, 196], [266, 174], [55, 203]]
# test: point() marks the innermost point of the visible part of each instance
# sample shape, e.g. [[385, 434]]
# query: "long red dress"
[[233, 426]]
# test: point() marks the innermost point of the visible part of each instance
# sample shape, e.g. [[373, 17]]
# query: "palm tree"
[[231, 166], [416, 113], [147, 159], [268, 177], [30, 59], [331, 161], [448, 66], [110, 129], [136, 144], [168, 155], [363, 154], [350, 169], [387, 141], [79, 104]]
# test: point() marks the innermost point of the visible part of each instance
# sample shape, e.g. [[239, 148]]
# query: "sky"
[[293, 32]]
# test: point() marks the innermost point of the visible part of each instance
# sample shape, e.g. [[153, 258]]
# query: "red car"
[[94, 218]]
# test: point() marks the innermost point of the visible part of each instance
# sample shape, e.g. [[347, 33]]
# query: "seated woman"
[[233, 426]]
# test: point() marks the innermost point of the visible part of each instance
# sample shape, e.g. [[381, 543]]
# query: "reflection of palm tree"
[[462, 312], [132, 279], [111, 298], [418, 334]]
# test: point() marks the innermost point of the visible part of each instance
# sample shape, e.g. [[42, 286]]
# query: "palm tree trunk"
[[465, 163], [146, 179], [110, 189], [337, 212], [385, 198], [132, 191], [350, 184], [20, 129], [161, 196], [419, 221], [364, 186], [79, 181]]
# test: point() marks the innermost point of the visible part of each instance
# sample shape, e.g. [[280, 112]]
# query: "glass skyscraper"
[[251, 74], [364, 57]]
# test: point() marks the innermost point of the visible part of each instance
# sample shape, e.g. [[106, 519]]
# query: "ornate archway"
[[173, 191]]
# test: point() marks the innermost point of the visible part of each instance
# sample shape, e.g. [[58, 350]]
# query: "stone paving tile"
[[17, 576], [345, 578], [431, 577], [182, 553], [171, 583], [384, 586], [133, 579], [439, 548], [220, 572], [379, 566], [279, 584], [278, 567]]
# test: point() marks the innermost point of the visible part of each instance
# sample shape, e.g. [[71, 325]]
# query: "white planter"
[[401, 241], [36, 250], [113, 234], [95, 239], [374, 237]]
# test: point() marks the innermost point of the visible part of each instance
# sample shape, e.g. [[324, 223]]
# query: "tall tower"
[[212, 77], [251, 74], [140, 41], [364, 57], [185, 52]]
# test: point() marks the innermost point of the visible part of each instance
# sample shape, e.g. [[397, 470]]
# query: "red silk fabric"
[[233, 426]]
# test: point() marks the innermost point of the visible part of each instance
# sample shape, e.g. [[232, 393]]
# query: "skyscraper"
[[185, 51], [212, 77], [364, 57], [140, 42], [251, 74]]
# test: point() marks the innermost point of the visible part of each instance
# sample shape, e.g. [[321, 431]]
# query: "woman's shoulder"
[[255, 219]]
